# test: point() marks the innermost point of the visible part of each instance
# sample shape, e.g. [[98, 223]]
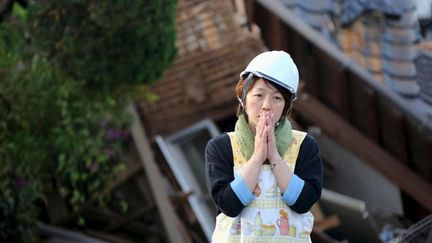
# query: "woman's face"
[[263, 99]]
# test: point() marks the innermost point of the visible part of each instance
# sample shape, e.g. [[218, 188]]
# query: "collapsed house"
[[362, 101], [375, 143]]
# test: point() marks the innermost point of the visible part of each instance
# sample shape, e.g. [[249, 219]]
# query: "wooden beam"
[[66, 235], [327, 223], [98, 215], [321, 237], [107, 237], [130, 171], [354, 141], [171, 222], [126, 219]]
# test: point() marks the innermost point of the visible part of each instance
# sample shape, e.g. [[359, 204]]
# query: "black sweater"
[[220, 173]]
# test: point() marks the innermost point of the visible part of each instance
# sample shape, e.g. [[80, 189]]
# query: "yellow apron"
[[267, 218]]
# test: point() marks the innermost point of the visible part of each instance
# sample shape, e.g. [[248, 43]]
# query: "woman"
[[264, 177]]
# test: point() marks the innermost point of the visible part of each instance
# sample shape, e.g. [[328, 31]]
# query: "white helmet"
[[275, 66]]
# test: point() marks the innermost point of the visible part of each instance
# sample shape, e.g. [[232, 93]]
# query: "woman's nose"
[[266, 105]]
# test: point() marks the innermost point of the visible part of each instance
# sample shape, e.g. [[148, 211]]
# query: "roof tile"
[[399, 35], [408, 19], [399, 68], [315, 5], [398, 51], [351, 10], [314, 19], [405, 87], [423, 64]]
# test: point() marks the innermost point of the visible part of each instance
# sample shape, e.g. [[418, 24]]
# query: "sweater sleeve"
[[219, 175], [308, 168]]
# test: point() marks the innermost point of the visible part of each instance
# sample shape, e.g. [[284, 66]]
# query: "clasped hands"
[[265, 141]]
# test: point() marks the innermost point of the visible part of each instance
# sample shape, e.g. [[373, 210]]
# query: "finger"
[[266, 118], [264, 133], [259, 129], [269, 121], [258, 126], [263, 126], [271, 134]]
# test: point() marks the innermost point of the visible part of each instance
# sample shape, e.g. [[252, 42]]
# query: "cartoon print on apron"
[[267, 218]]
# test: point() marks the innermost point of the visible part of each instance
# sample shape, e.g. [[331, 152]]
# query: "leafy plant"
[[17, 209], [106, 42], [65, 68], [24, 91]]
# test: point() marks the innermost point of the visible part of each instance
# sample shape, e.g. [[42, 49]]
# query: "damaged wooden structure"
[[339, 96], [196, 100], [212, 47], [391, 133]]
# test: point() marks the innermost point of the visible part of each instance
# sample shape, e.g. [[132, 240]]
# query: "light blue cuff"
[[293, 190], [241, 190]]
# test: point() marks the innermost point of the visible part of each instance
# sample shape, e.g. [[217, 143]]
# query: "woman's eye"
[[278, 98], [257, 95]]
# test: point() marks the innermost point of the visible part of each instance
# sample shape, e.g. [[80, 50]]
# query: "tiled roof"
[[423, 64], [399, 53], [313, 12], [397, 34], [385, 44], [351, 10]]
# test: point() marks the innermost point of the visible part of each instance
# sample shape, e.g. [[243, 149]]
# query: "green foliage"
[[50, 123], [63, 126], [16, 197], [88, 146], [106, 42], [22, 145]]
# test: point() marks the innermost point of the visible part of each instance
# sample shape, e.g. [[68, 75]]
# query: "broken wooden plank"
[[126, 219], [321, 237], [107, 237], [101, 216], [322, 222], [317, 212], [327, 223], [66, 235], [168, 215], [125, 175], [353, 140]]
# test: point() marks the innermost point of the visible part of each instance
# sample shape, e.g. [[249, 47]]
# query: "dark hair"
[[287, 95]]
